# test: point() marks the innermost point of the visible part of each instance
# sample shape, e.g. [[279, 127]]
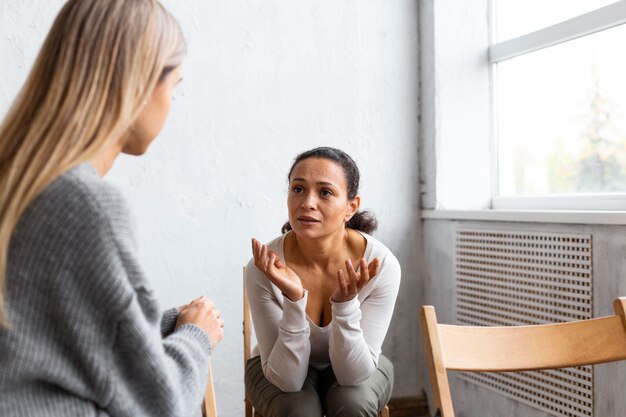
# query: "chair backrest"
[[518, 348], [209, 407]]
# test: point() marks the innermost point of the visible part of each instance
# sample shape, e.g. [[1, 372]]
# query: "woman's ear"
[[353, 207]]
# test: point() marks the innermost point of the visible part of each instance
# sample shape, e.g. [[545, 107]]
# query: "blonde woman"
[[80, 330]]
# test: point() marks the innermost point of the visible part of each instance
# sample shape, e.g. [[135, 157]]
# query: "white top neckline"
[[280, 247]]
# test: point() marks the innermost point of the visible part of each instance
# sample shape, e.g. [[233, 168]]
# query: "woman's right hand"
[[277, 271], [202, 313]]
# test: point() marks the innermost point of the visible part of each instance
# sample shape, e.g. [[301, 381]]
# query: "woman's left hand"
[[350, 285]]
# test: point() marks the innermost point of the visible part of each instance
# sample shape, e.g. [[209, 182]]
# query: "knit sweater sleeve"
[[155, 377], [145, 374], [86, 324], [152, 369], [168, 321]]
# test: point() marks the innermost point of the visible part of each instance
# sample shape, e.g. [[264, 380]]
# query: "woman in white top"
[[321, 297]]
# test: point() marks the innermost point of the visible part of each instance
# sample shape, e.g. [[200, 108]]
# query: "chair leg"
[[249, 412]]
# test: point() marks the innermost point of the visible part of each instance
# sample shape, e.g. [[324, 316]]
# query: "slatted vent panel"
[[510, 278]]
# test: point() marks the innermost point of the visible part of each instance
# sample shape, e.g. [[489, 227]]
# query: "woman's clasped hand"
[[203, 313]]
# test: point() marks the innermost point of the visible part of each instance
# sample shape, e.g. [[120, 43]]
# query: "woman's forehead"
[[319, 170]]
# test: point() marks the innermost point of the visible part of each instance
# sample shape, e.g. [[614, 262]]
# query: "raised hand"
[[277, 271], [350, 283]]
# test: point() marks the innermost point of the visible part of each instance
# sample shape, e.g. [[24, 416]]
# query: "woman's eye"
[[326, 193], [297, 190]]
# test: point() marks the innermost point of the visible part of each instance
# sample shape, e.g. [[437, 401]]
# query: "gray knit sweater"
[[85, 337]]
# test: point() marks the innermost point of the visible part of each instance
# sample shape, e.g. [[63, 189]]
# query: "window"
[[559, 76]]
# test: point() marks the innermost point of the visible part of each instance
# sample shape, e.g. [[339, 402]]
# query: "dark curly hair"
[[363, 221]]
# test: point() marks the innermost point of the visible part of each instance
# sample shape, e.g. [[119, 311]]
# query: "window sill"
[[531, 216]]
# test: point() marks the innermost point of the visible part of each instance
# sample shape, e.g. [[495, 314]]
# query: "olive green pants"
[[321, 395]]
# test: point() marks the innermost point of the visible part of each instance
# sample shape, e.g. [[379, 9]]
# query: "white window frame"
[[592, 22]]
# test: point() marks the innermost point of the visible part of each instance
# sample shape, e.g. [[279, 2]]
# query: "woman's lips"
[[307, 220]]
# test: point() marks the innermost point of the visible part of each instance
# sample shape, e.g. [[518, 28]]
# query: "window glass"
[[561, 118]]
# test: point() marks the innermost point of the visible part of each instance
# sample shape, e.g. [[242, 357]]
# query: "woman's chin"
[[307, 232]]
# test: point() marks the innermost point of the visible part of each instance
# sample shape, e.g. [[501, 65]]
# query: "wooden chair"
[[209, 407], [247, 352], [247, 348], [518, 348]]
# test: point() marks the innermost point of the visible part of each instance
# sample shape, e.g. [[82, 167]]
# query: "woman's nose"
[[310, 201]]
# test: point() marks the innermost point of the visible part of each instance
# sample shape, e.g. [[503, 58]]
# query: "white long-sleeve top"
[[288, 341]]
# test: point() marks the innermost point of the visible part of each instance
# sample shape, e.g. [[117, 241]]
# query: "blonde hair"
[[99, 63]]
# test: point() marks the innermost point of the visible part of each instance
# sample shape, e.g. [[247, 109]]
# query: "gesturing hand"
[[351, 285], [277, 271]]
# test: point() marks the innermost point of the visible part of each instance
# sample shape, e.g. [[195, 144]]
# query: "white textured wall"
[[263, 81]]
